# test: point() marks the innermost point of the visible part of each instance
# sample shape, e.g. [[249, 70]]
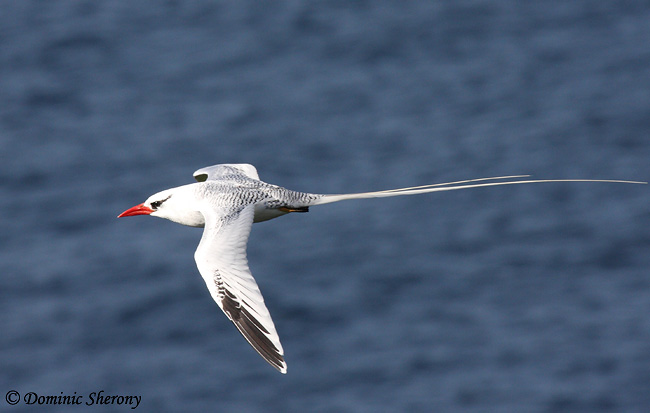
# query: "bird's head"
[[176, 204]]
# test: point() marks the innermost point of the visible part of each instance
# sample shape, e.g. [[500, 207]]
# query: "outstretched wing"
[[227, 169], [221, 259]]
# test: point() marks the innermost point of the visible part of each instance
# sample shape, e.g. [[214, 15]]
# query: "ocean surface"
[[523, 298]]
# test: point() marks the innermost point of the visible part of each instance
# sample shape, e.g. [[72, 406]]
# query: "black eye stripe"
[[157, 204]]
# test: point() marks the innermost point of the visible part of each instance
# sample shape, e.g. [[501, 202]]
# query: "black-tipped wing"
[[221, 259], [226, 170]]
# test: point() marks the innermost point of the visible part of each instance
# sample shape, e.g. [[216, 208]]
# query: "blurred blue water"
[[505, 299]]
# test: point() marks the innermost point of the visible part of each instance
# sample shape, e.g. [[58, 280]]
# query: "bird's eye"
[[157, 204]]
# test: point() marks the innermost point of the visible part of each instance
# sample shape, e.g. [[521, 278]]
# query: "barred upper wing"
[[224, 170], [221, 259]]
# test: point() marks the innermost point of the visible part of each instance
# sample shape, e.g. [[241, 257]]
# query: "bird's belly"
[[262, 213]]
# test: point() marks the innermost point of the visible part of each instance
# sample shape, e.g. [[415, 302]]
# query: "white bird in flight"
[[226, 201]]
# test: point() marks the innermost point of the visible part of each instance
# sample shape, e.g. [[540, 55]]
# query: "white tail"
[[451, 186]]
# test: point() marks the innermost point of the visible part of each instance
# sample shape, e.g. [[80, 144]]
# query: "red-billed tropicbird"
[[227, 200]]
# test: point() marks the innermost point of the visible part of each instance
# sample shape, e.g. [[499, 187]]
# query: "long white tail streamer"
[[452, 186]]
